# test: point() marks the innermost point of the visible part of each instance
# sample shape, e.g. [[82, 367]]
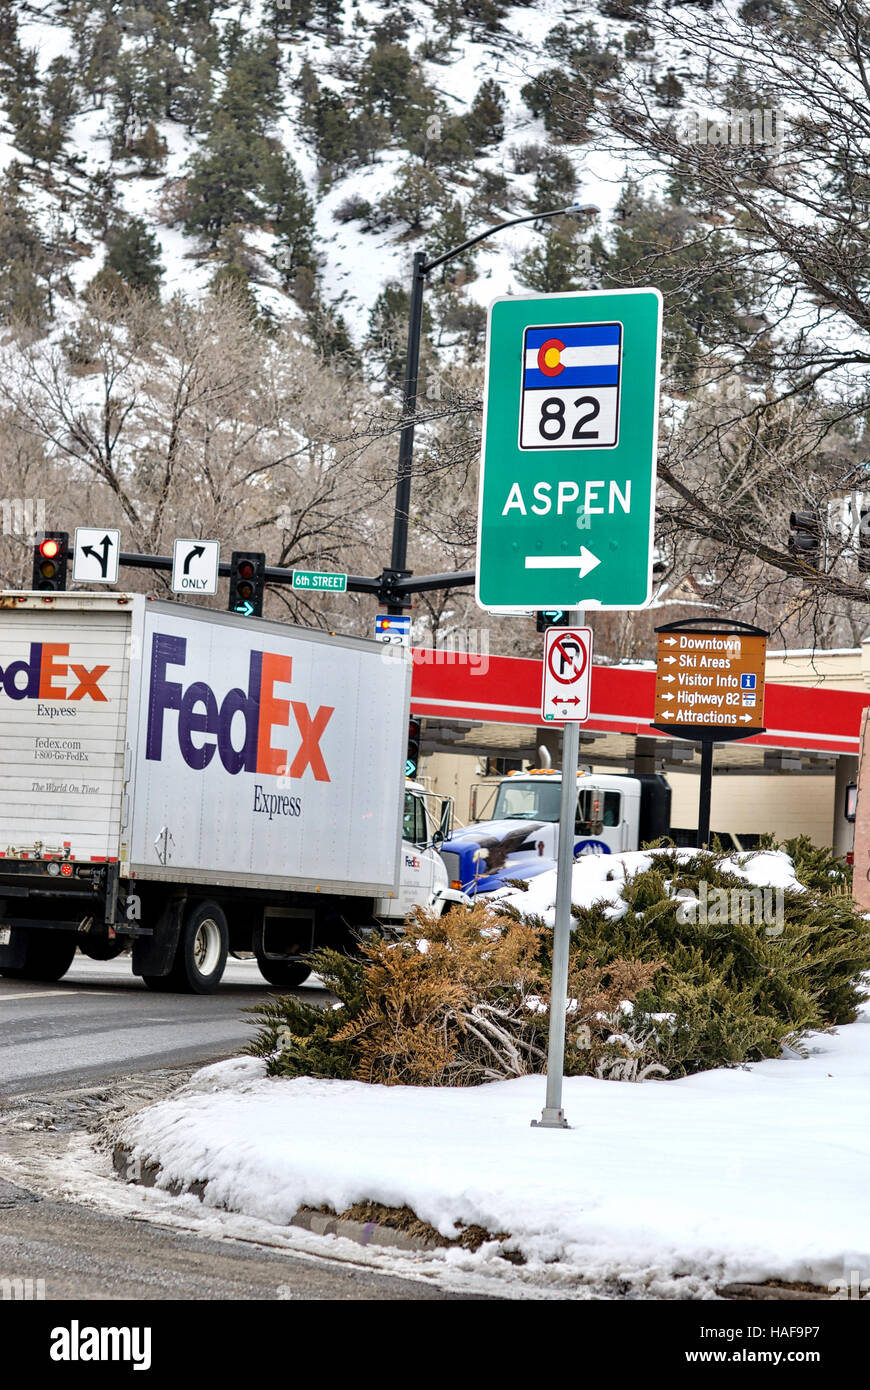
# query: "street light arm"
[[571, 211], [421, 269]]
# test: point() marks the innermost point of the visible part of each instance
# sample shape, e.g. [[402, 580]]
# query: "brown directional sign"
[[710, 680]]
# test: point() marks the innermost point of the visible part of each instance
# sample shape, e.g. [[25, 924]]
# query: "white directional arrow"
[[669, 695], [667, 714], [585, 562], [669, 677], [670, 641], [746, 718], [588, 561], [669, 660]]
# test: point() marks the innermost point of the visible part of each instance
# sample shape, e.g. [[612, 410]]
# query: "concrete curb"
[[145, 1172]]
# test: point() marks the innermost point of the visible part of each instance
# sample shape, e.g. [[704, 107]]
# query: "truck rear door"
[[64, 673]]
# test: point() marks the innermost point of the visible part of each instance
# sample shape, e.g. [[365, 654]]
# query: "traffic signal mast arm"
[[389, 582]]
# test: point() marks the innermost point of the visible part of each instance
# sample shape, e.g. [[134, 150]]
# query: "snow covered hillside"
[[119, 100]]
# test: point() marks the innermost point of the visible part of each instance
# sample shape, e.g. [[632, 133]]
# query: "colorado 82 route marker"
[[567, 479]]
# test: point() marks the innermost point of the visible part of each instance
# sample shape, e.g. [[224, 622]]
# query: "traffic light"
[[49, 561], [864, 542], [551, 617], [247, 581], [806, 542], [412, 761]]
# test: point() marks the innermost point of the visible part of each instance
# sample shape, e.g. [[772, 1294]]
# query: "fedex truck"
[[195, 783]]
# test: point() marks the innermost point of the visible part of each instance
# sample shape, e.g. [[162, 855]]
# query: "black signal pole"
[[398, 599], [705, 792]]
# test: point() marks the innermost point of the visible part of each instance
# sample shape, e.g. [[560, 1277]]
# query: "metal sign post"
[[552, 1115]]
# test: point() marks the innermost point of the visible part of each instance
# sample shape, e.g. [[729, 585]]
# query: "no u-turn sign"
[[567, 668]]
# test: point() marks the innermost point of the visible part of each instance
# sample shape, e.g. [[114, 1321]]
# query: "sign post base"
[[551, 1119]]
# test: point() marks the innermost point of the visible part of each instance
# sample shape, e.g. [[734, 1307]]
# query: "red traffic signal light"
[[49, 562]]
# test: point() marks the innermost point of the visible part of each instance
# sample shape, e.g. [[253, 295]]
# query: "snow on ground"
[[735, 1174], [742, 1174]]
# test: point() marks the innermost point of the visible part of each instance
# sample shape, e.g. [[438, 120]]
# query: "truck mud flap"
[[13, 951], [154, 955]]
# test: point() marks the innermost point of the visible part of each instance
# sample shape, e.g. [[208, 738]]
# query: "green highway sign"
[[567, 476], [314, 579]]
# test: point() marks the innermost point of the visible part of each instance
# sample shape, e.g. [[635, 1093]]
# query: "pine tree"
[[59, 93], [417, 193], [192, 96], [449, 230], [251, 95], [334, 135], [134, 254], [388, 328], [670, 91], [224, 178], [98, 54], [555, 182], [559, 265], [151, 148], [291, 14], [385, 81], [290, 209], [23, 267], [308, 87], [485, 121]]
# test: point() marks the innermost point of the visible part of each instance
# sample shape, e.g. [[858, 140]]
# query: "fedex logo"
[[205, 727], [49, 676]]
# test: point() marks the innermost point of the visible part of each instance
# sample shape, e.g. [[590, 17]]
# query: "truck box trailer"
[[195, 782]]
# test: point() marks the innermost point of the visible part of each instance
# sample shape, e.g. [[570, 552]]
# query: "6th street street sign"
[[567, 478], [318, 579]]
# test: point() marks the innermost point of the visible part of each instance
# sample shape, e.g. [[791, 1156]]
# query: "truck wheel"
[[285, 974], [48, 956], [202, 951]]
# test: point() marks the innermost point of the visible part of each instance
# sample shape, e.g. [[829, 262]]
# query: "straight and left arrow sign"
[[95, 555]]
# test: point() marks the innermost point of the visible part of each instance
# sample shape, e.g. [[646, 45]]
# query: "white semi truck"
[[195, 783], [614, 812]]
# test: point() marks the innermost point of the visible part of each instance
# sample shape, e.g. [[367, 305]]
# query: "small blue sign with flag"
[[393, 628]]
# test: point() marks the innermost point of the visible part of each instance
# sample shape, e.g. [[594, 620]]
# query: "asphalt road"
[[78, 1253], [100, 1020]]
